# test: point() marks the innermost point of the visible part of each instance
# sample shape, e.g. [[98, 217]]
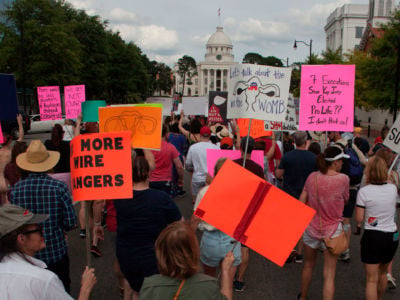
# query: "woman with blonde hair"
[[376, 207], [178, 254], [327, 191]]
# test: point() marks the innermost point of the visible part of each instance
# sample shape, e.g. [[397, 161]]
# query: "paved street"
[[264, 280]]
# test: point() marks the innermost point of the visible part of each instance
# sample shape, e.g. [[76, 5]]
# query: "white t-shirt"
[[20, 279], [379, 202], [197, 160]]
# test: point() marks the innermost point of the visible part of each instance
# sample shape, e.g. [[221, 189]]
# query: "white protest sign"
[[258, 92], [166, 102], [196, 106], [290, 123], [392, 140]]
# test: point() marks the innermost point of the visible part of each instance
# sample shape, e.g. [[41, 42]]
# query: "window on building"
[[380, 7], [205, 91], [341, 34], [196, 81], [359, 32]]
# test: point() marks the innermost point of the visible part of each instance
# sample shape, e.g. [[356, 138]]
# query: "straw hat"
[[37, 158], [224, 132]]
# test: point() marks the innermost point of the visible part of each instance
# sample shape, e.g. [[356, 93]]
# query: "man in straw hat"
[[42, 194], [21, 275]]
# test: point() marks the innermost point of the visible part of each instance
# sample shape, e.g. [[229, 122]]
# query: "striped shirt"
[[41, 194]]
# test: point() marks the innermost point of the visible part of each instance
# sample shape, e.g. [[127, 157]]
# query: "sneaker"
[[82, 233], [291, 257], [238, 286], [299, 258], [95, 251], [391, 281], [345, 256]]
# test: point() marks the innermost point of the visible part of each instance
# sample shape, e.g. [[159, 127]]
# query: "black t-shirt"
[[141, 219], [251, 166], [298, 164]]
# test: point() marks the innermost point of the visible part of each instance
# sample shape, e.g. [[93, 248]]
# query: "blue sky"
[[166, 30]]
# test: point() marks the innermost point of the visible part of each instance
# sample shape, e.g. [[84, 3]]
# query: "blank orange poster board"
[[256, 213], [144, 123], [101, 166], [256, 130]]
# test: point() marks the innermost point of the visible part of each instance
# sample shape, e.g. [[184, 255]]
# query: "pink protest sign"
[[49, 103], [327, 97], [74, 95], [214, 154], [1, 135]]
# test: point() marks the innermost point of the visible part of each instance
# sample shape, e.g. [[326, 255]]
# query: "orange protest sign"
[[101, 166], [144, 123], [256, 213], [256, 130]]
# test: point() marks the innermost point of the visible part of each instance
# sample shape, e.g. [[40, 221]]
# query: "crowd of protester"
[[157, 253]]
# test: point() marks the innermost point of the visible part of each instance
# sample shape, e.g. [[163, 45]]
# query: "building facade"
[[213, 72], [345, 26], [349, 26]]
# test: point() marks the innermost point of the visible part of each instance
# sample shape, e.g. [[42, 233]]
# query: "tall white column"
[[215, 79]]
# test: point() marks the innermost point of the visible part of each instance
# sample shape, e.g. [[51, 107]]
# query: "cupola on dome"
[[219, 38]]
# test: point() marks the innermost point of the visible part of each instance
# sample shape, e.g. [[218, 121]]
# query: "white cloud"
[[149, 37], [200, 40], [315, 15], [229, 22], [120, 15], [253, 29], [167, 59]]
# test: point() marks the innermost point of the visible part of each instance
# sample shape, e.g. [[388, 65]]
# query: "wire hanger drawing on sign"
[[133, 121]]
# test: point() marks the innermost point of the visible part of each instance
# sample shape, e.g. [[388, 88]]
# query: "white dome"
[[219, 38]]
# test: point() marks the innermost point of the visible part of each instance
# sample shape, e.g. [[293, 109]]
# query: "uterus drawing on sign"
[[133, 121], [253, 88]]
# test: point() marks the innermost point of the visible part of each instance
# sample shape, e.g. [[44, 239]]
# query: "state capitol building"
[[213, 72]]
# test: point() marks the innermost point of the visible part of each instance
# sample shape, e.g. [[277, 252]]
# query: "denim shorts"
[[215, 245], [319, 243], [197, 186]]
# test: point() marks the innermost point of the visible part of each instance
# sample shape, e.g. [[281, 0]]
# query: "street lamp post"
[[308, 45]]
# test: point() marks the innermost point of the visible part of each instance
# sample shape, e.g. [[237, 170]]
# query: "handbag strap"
[[319, 202], [179, 289]]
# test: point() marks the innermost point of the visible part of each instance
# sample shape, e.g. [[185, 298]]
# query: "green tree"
[[39, 45], [375, 70], [332, 56], [187, 68], [253, 58]]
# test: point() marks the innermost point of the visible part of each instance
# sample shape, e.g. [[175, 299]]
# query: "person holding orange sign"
[[327, 191], [215, 244]]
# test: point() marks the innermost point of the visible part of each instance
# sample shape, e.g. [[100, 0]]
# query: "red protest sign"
[[256, 213], [257, 128], [101, 166]]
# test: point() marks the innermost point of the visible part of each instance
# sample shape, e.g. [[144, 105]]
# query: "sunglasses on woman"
[[37, 230]]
